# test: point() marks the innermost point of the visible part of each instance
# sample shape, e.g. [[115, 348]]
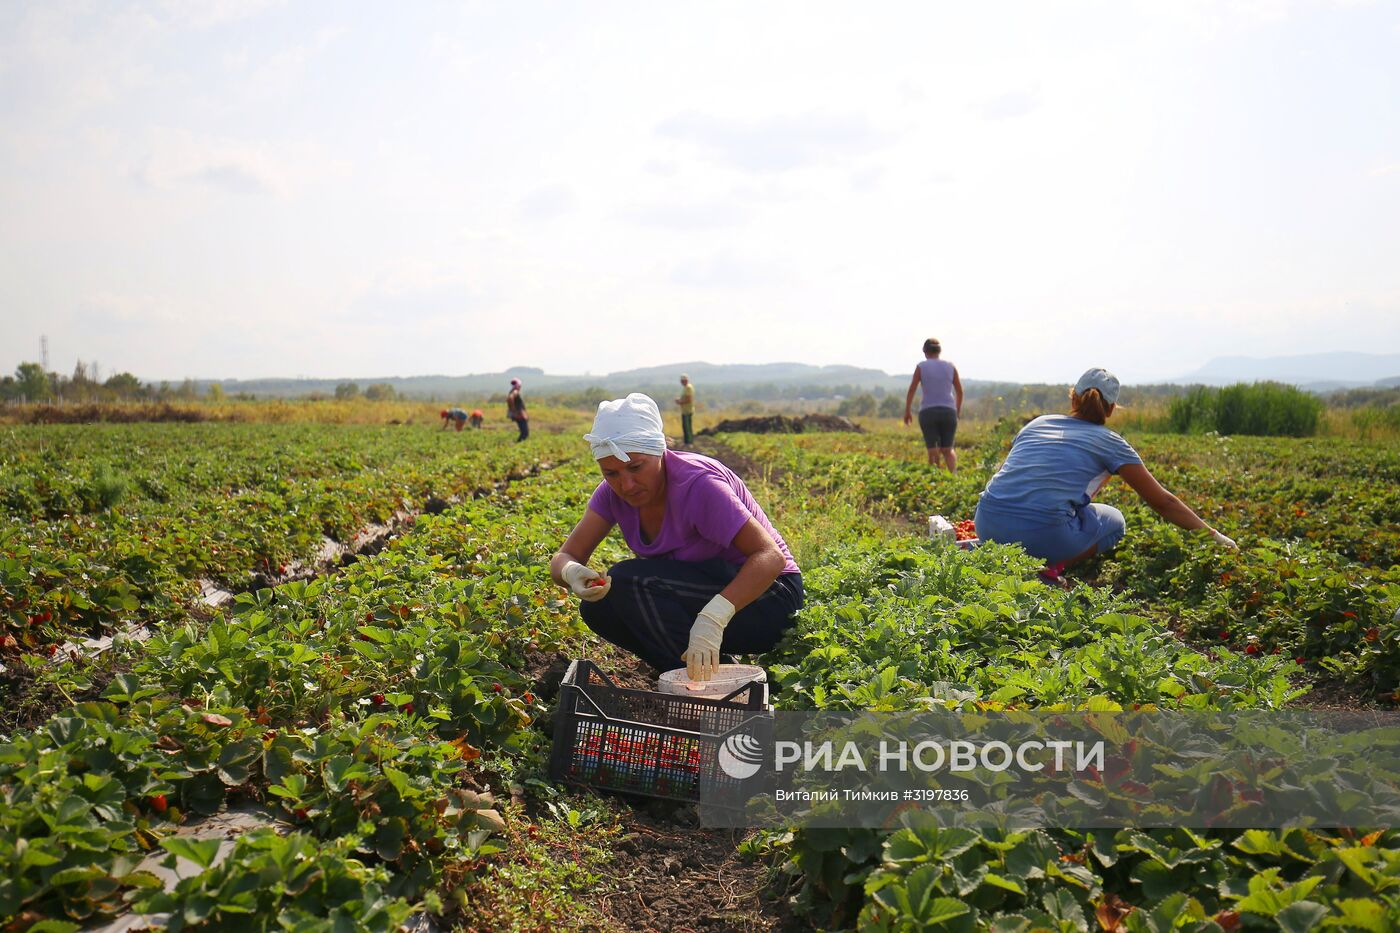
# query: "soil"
[[743, 465], [783, 424], [670, 875], [1335, 696]]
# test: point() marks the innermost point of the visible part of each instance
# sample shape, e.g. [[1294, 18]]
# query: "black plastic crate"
[[645, 742]]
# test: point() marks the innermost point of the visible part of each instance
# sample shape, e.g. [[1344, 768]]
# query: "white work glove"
[[1224, 540], [579, 577], [702, 657]]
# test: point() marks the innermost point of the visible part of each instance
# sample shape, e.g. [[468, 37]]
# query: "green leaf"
[[1007, 884], [943, 909], [1267, 900], [199, 851], [54, 926], [76, 874], [1259, 842], [1366, 914], [32, 856], [1300, 917], [388, 839], [1357, 858]]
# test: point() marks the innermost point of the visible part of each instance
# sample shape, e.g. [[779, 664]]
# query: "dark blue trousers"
[[653, 603]]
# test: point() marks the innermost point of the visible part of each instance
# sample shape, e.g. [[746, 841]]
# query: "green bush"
[[1194, 412], [1261, 408]]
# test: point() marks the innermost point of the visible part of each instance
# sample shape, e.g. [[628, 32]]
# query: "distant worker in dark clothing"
[[454, 416], [515, 410], [687, 404], [477, 418], [941, 404]]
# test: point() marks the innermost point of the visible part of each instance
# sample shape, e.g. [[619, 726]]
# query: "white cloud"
[[777, 144], [726, 270], [548, 202], [178, 157], [1017, 103], [696, 215], [415, 292]]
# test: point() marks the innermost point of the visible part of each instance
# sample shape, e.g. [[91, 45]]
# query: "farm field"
[[386, 717]]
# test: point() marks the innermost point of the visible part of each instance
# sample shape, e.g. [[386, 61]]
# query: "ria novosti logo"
[[740, 756]]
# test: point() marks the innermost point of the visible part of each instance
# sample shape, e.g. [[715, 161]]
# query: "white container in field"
[[729, 678], [940, 527]]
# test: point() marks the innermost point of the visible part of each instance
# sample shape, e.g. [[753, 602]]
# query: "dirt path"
[[667, 873]]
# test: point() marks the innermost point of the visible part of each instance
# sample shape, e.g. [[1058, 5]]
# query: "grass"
[[544, 878]]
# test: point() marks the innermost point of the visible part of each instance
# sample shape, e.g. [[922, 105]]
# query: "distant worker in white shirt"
[[941, 405]]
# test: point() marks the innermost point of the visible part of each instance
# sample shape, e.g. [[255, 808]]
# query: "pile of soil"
[[783, 424], [124, 414]]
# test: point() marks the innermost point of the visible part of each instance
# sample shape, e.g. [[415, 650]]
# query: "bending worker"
[[711, 575], [1040, 498], [941, 405], [453, 416]]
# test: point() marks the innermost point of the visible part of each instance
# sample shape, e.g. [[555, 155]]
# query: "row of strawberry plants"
[[925, 624], [215, 516], [1296, 598], [355, 706], [1342, 496]]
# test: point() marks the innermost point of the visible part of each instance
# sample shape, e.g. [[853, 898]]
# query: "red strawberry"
[[407, 707], [158, 803], [528, 697], [1251, 649], [497, 688], [1300, 660], [377, 699]]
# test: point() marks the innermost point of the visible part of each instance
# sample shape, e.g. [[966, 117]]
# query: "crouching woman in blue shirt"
[[1040, 498]]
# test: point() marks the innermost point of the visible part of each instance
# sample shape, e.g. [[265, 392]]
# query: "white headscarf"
[[631, 424]]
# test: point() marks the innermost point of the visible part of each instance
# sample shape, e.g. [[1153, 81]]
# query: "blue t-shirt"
[[1055, 465]]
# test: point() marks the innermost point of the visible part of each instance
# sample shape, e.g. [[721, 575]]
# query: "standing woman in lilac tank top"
[[712, 576], [941, 406]]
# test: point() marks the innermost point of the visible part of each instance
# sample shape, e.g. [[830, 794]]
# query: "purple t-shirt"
[[706, 505]]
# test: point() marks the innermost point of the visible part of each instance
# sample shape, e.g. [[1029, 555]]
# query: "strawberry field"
[[372, 693]]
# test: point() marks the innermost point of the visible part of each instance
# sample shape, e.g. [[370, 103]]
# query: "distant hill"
[[1319, 372], [717, 383], [757, 380]]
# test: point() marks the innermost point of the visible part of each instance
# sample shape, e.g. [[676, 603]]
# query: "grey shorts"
[[939, 424]]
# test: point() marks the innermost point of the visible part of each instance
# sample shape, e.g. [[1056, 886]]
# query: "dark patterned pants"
[[653, 603]]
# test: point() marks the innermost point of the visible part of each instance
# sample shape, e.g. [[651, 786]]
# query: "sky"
[[216, 189]]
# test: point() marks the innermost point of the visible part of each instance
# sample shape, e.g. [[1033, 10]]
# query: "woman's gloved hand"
[[702, 657], [1224, 540], [583, 582]]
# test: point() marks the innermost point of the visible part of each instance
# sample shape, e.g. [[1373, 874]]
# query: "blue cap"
[[1101, 379]]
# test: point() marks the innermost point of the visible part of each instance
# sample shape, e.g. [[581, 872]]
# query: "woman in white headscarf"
[[712, 576]]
